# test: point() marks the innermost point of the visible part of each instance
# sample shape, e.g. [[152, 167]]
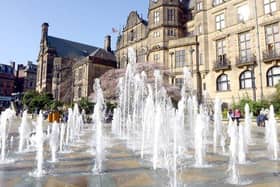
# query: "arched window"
[[223, 83], [246, 80], [273, 76]]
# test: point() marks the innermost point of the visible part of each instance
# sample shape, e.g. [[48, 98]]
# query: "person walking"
[[237, 116], [231, 115]]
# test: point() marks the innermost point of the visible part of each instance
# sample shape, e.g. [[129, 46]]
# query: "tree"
[[86, 105], [35, 101], [28, 97]]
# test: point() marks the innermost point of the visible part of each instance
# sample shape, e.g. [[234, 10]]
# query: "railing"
[[270, 55], [222, 64], [245, 61]]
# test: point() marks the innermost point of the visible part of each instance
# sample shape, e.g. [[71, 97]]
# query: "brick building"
[[231, 47], [6, 84]]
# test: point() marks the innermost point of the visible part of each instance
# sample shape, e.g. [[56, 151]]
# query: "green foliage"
[[35, 101], [276, 96], [255, 106], [86, 105], [28, 97], [55, 105], [111, 106]]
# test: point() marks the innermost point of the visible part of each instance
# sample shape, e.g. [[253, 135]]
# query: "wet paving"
[[123, 168]]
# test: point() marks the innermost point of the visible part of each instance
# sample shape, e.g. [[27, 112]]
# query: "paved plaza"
[[123, 168]]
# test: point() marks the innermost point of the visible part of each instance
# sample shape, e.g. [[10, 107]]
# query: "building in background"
[[55, 64], [91, 67], [6, 84], [231, 47], [25, 77]]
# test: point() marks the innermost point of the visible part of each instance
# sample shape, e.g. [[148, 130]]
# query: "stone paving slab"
[[123, 168]]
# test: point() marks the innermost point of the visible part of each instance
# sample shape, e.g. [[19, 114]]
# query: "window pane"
[[276, 70], [276, 80], [248, 83], [268, 30], [273, 7]]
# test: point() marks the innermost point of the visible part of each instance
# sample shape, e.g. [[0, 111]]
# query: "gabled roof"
[[99, 56], [103, 54], [69, 49]]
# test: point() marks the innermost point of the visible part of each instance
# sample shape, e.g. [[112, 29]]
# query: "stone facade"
[[84, 74], [231, 52], [26, 77], [56, 60], [87, 69]]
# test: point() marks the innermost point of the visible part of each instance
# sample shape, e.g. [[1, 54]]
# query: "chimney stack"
[[45, 29], [107, 43]]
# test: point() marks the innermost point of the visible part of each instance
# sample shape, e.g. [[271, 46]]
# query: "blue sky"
[[85, 21]]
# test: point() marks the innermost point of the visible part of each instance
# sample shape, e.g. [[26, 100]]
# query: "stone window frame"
[[272, 38], [221, 50], [217, 2], [156, 58], [180, 58], [171, 32], [272, 77], [80, 74], [221, 81], [269, 6], [244, 44], [170, 14], [220, 21], [179, 82], [199, 5], [156, 34], [246, 80], [141, 55], [156, 17], [240, 17]]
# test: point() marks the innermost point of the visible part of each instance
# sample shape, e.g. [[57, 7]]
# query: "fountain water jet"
[[24, 132], [273, 144], [217, 133], [234, 147], [54, 140], [5, 120], [39, 137], [98, 118], [61, 140], [242, 146], [248, 124]]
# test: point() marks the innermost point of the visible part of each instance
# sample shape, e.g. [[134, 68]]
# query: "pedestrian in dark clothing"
[[261, 118], [231, 114]]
